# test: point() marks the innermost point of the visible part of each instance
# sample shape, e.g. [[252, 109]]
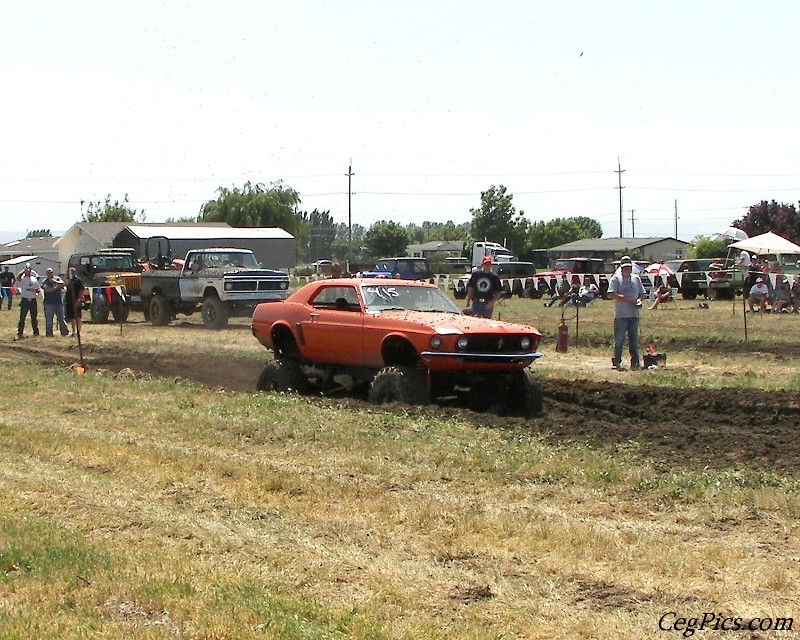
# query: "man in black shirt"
[[484, 289], [7, 280]]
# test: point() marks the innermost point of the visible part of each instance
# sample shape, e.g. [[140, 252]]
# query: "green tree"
[[497, 220], [39, 233], [321, 234], [385, 239], [108, 211], [255, 205], [771, 216], [704, 247], [544, 235], [181, 220]]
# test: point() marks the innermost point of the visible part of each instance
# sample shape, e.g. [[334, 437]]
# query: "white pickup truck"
[[220, 283]]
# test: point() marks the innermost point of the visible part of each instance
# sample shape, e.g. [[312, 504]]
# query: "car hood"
[[454, 323]]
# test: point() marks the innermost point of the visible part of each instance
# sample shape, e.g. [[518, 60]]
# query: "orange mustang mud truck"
[[404, 341]]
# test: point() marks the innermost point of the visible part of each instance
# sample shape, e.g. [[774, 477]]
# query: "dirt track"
[[694, 427]]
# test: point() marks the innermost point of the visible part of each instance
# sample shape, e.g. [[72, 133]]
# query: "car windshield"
[[113, 263], [214, 260], [384, 297]]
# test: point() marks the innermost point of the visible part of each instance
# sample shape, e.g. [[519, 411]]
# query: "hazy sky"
[[433, 101]]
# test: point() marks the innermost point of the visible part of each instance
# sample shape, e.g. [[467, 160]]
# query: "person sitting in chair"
[[663, 293], [561, 292], [759, 294], [586, 293], [783, 297]]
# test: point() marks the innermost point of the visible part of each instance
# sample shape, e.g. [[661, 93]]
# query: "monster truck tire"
[[215, 313], [525, 396], [99, 310], [282, 375], [160, 313], [399, 384]]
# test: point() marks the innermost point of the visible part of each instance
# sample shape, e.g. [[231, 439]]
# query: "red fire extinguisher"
[[563, 337]]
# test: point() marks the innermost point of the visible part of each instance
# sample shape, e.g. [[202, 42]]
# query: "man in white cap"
[[53, 288], [759, 294], [627, 292], [28, 283]]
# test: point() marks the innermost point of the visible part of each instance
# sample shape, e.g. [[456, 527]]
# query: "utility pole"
[[619, 173], [676, 219], [633, 223], [350, 175]]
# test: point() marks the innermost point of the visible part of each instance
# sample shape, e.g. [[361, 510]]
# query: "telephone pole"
[[633, 223], [619, 173], [350, 175], [676, 219]]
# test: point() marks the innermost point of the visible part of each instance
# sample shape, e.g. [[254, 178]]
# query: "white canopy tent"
[[766, 243]]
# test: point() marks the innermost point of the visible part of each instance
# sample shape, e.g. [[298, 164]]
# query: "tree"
[[386, 239], [108, 211], [255, 205], [181, 220], [497, 220], [544, 235], [771, 216], [704, 247], [321, 234], [39, 233]]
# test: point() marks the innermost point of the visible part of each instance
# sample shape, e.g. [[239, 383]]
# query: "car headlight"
[[436, 342], [462, 343], [285, 285], [228, 286], [525, 343]]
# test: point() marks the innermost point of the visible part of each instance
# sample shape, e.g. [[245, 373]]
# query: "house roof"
[[205, 232], [29, 245], [103, 232], [611, 244], [18, 260]]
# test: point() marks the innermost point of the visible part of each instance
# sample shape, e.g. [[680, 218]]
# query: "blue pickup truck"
[[405, 268]]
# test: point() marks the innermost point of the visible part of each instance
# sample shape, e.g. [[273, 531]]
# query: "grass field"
[[145, 507]]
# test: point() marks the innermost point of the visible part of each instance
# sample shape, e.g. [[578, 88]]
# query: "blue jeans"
[[481, 309], [629, 326], [56, 310]]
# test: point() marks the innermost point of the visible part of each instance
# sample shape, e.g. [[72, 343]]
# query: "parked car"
[[405, 268], [406, 340], [691, 277], [575, 269]]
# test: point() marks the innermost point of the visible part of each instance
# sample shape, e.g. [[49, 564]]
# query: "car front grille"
[[257, 284], [498, 344]]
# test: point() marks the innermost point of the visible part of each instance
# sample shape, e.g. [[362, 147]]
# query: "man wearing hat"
[[759, 294], [53, 288], [627, 292], [28, 284], [483, 290]]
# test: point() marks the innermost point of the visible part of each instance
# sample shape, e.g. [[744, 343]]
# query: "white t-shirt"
[[744, 258]]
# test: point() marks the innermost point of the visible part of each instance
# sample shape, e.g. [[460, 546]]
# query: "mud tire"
[[160, 313], [99, 310], [399, 384], [215, 313], [283, 376]]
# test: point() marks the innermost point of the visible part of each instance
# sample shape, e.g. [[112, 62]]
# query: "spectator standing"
[[484, 289], [627, 292], [7, 280], [74, 300], [28, 281], [53, 288]]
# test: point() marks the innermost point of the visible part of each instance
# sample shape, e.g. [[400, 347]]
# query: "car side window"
[[342, 298]]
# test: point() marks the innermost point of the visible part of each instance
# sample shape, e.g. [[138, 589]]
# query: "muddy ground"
[[690, 427]]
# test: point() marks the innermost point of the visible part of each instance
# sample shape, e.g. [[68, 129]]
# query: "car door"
[[333, 332]]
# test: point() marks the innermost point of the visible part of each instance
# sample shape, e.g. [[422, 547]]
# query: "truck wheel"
[[282, 375], [459, 295], [215, 313], [689, 295], [160, 314], [116, 312], [399, 384], [99, 310], [525, 396]]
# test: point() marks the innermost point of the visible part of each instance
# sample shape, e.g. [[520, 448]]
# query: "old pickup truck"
[[220, 283]]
